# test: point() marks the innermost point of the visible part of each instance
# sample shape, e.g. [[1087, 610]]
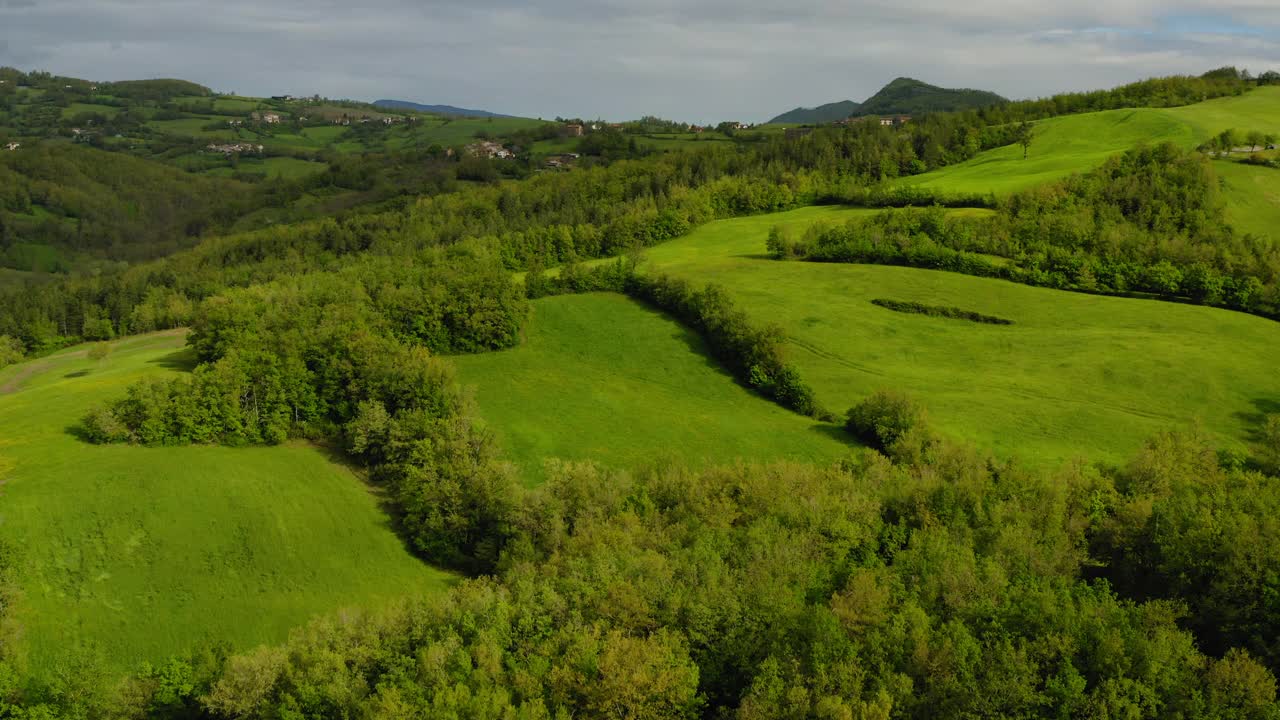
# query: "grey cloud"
[[708, 60]]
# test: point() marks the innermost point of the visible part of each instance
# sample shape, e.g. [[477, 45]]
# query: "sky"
[[702, 61]]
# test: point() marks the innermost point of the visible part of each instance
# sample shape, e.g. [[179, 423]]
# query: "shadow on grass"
[[392, 514], [183, 360], [76, 374], [836, 432], [1262, 407]]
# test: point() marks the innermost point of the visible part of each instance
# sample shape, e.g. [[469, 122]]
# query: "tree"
[[1270, 437], [1025, 134], [11, 350], [99, 351]]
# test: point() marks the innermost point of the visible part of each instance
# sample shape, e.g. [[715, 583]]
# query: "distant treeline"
[[1149, 221], [954, 313]]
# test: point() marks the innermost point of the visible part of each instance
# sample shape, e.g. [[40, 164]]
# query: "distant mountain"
[[830, 112], [903, 96], [436, 109]]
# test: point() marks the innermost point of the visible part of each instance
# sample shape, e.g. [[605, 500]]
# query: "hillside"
[[1107, 389], [870, 421], [903, 96], [144, 552], [446, 110], [1077, 143], [830, 112], [630, 387]]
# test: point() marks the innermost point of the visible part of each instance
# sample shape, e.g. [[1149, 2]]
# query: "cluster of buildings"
[[884, 121], [235, 148], [12, 146], [489, 149]]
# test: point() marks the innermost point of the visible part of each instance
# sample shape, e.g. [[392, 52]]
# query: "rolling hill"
[[1121, 370], [903, 96], [142, 552], [448, 110], [830, 112]]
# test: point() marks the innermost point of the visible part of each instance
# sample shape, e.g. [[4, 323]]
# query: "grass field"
[[1076, 376], [142, 552], [602, 377], [281, 167], [1252, 194], [76, 108], [1078, 143], [452, 132]]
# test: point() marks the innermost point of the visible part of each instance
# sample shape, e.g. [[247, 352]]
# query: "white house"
[[12, 146]]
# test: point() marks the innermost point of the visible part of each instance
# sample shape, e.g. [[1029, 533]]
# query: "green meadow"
[[138, 553], [1252, 194], [1075, 372], [275, 167], [1078, 143], [603, 377]]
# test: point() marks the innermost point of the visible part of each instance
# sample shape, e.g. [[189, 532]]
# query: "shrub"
[[884, 418], [101, 426]]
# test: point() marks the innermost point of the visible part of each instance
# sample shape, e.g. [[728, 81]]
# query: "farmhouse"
[[573, 130], [895, 120], [490, 150]]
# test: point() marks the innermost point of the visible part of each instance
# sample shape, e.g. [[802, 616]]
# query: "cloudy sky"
[[697, 61]]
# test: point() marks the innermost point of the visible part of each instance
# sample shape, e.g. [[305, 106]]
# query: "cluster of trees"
[[955, 313], [1172, 91], [1149, 221], [1229, 141], [939, 584], [754, 354]]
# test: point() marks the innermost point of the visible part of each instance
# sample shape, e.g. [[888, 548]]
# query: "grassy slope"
[[1077, 143], [1252, 195], [145, 551], [603, 377], [1076, 375]]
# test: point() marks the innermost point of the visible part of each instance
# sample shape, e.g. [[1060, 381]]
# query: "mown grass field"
[[1075, 376], [602, 377], [143, 552], [1078, 143]]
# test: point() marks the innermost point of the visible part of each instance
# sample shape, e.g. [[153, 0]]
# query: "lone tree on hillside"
[[1025, 133]]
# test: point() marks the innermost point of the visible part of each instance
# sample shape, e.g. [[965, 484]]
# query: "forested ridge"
[[916, 578]]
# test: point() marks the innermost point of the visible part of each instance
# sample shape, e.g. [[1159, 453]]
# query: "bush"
[[101, 426], [884, 418]]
